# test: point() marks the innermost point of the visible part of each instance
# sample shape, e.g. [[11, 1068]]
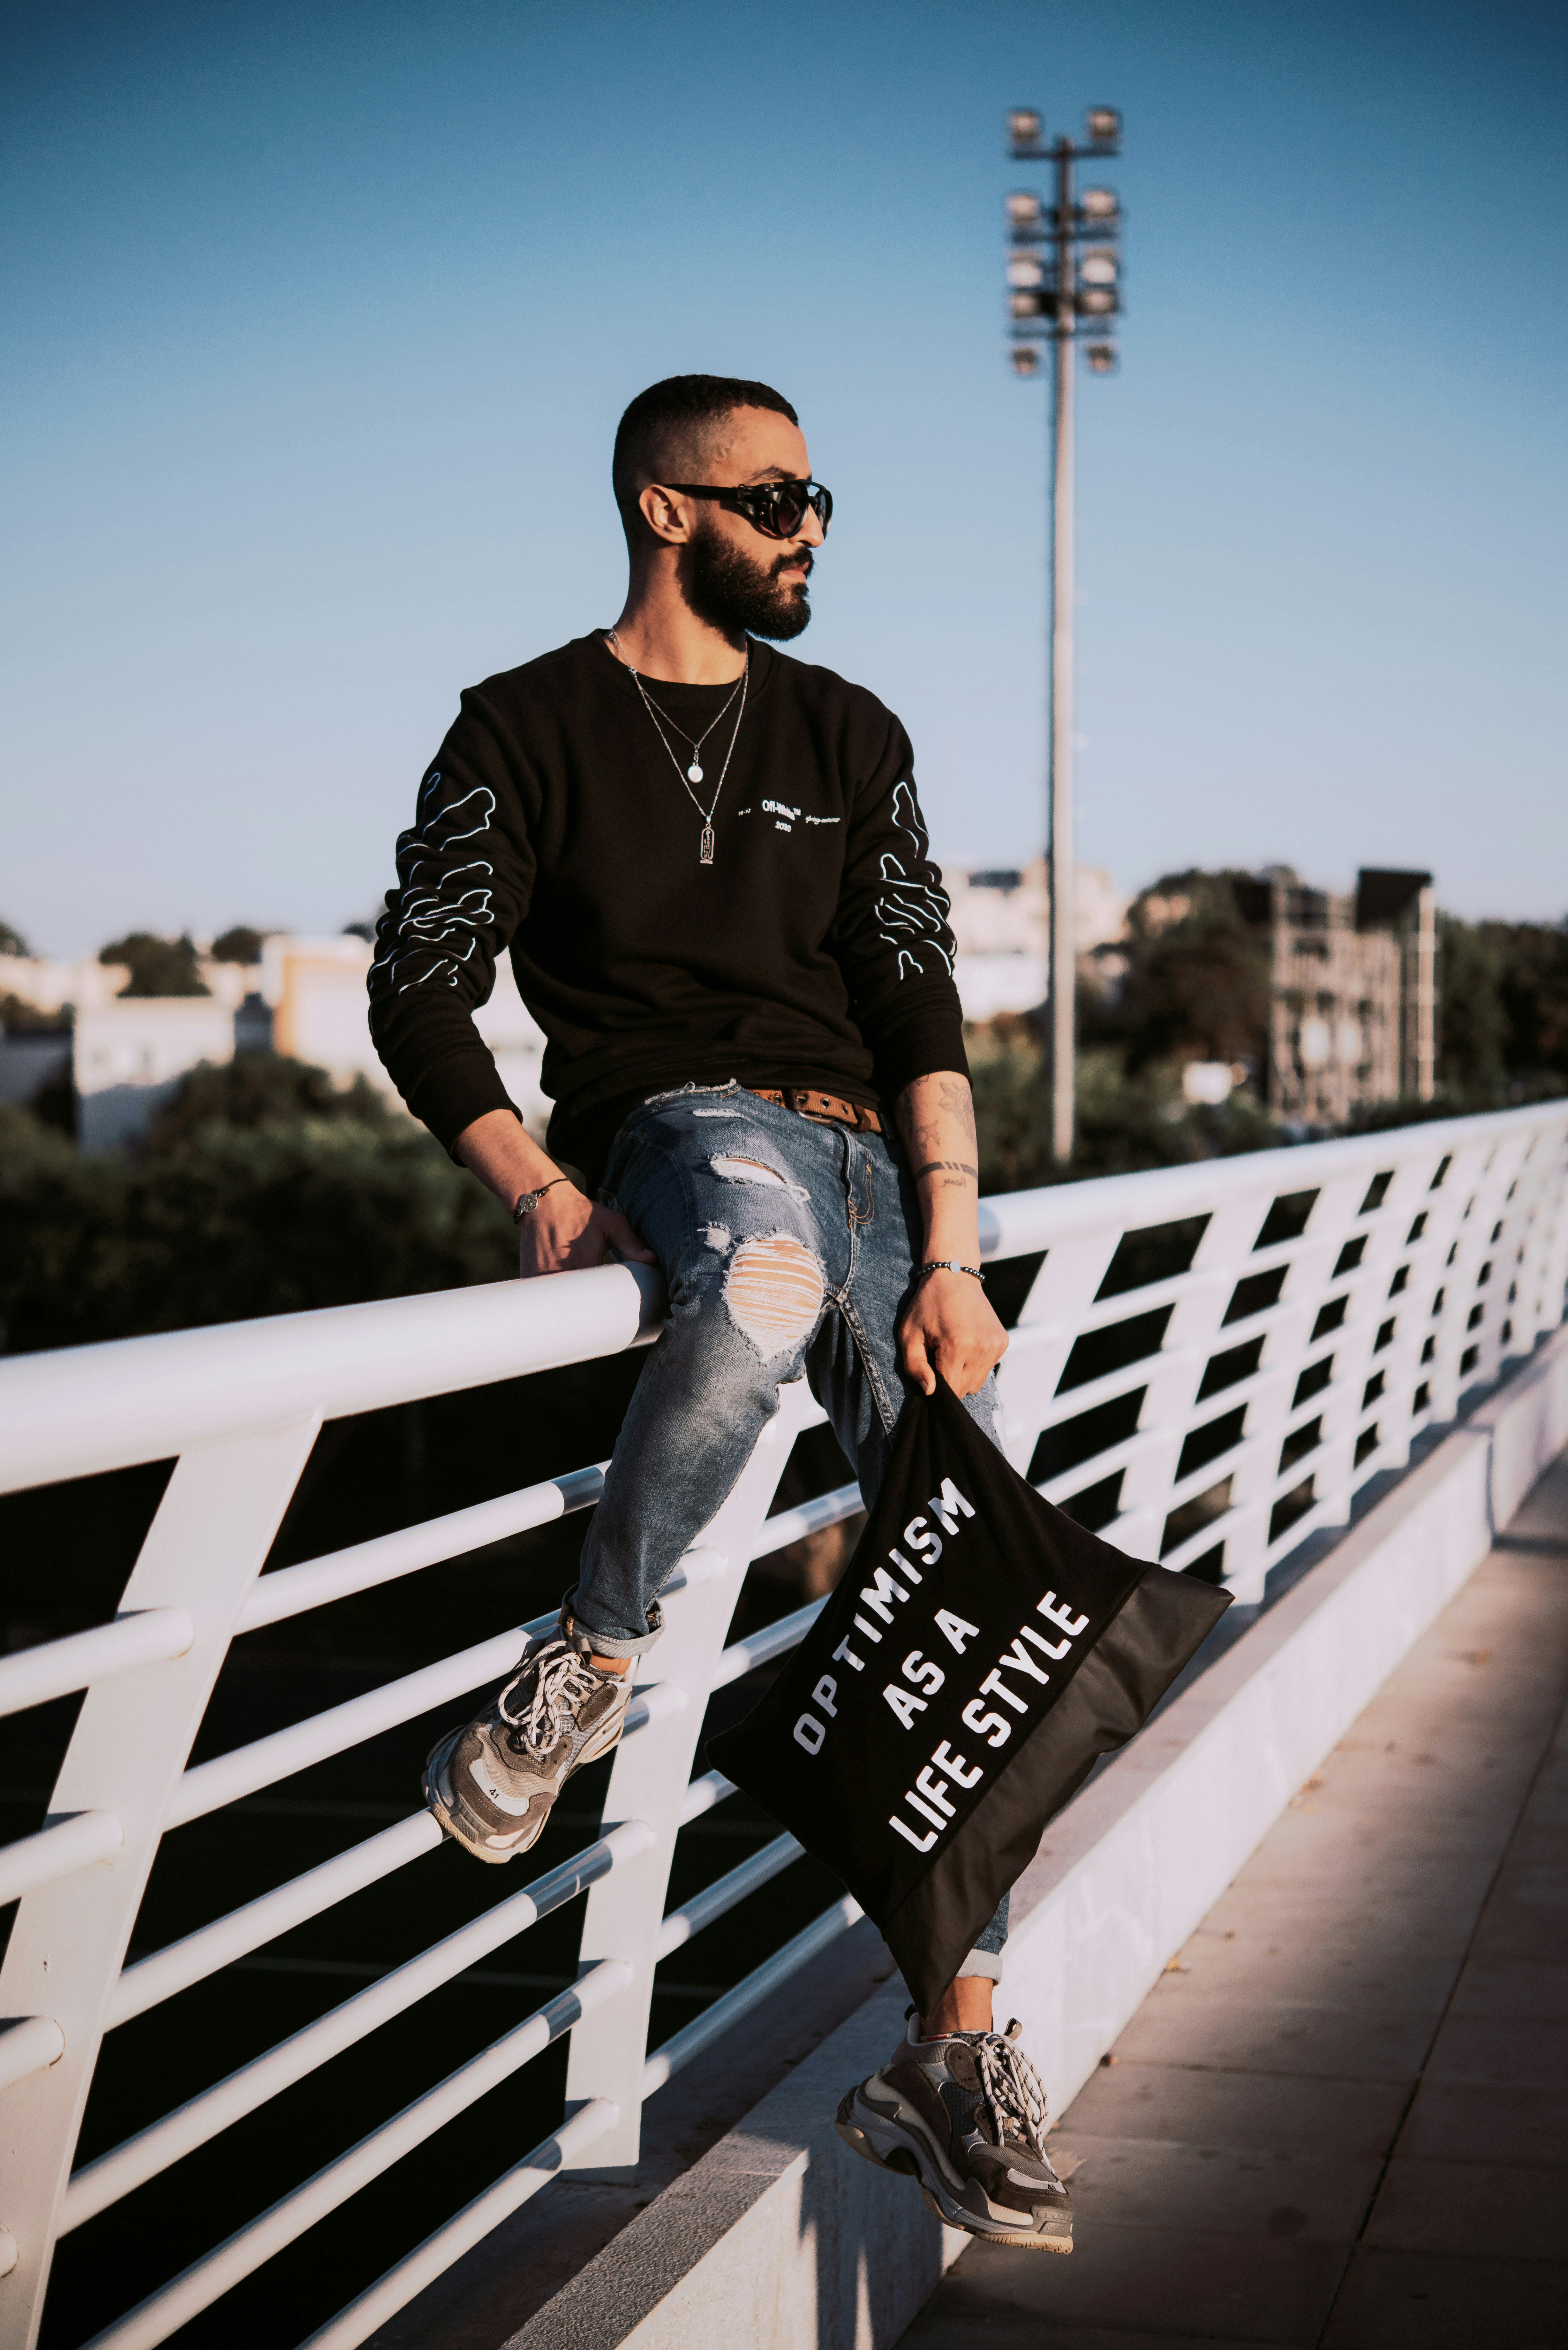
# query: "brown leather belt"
[[810, 1103]]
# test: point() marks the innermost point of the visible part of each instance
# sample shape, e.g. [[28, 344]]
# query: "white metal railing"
[[1208, 1364]]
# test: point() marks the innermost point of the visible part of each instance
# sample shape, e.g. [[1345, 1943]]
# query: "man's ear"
[[668, 518]]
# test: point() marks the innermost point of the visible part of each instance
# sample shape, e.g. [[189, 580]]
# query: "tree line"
[[262, 1187]]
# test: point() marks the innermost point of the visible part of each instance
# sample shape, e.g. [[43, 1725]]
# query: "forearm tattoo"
[[934, 1114]]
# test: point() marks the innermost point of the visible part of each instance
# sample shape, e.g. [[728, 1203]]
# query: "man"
[[709, 864]]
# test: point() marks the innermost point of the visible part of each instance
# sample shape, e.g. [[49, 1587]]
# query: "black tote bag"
[[980, 1653]]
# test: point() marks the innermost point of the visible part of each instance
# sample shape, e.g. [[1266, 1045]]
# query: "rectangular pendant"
[[705, 855]]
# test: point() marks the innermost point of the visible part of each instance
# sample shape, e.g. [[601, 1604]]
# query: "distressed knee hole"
[[774, 1292], [753, 1171]]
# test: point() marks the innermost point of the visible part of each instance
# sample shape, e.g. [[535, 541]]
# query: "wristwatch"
[[528, 1201]]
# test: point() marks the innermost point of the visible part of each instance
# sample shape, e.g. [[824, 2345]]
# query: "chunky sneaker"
[[966, 2116], [491, 1786]]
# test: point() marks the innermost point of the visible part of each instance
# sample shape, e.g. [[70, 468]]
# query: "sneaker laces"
[[1012, 2089], [561, 1682]]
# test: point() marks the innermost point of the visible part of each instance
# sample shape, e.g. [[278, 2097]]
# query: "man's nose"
[[811, 532]]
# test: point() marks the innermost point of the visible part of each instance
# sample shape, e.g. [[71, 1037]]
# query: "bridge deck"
[[1341, 2117]]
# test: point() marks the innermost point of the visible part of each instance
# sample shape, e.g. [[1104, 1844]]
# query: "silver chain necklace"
[[693, 773]]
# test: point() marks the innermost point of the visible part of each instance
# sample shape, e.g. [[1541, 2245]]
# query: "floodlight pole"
[[1060, 863], [1045, 305]]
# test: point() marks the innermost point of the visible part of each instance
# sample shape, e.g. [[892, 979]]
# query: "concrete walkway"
[[1341, 2118]]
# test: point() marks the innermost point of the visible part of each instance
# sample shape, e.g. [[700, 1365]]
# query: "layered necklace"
[[692, 773]]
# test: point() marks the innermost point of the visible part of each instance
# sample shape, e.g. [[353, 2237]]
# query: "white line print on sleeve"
[[443, 904], [912, 913]]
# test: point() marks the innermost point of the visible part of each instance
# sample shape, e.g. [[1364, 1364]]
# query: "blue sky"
[[319, 319]]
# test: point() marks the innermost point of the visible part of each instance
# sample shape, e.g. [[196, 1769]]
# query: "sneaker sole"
[[438, 1804], [893, 2148]]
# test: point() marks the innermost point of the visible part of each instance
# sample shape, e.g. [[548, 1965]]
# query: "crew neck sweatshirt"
[[555, 822]]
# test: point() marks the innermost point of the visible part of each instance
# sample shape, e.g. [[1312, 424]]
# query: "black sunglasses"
[[775, 508]]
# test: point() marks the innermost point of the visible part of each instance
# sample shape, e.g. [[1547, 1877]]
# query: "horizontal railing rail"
[[1208, 1364]]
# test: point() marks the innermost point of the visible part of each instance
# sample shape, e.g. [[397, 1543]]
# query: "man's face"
[[738, 577]]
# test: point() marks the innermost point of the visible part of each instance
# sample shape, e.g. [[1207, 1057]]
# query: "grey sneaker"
[[491, 1786], [966, 2116]]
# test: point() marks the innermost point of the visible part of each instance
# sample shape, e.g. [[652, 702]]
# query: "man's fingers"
[[916, 1364], [624, 1241]]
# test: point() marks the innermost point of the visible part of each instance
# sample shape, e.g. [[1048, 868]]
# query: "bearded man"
[[709, 864]]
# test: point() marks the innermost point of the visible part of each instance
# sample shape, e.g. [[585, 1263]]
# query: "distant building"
[[1352, 1008], [315, 988], [129, 1056], [125, 1055], [1002, 919]]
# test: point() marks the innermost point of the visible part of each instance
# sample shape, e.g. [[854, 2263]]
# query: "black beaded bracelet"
[[951, 1265]]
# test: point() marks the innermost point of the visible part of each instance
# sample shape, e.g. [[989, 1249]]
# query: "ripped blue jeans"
[[787, 1245]]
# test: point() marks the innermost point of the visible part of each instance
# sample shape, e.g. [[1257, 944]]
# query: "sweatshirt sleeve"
[[891, 938], [465, 873]]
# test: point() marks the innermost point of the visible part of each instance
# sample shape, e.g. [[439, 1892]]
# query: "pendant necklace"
[[693, 773]]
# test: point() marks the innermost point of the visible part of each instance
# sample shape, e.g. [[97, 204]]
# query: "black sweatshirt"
[[812, 951]]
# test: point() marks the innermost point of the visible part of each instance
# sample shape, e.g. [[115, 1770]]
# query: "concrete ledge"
[[781, 2237]]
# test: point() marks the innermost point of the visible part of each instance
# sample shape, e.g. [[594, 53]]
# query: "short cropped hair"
[[658, 418]]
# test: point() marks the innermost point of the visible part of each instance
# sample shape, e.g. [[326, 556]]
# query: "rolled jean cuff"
[[609, 1644], [983, 1962]]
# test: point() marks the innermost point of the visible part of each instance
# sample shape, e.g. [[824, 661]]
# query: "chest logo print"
[[785, 818]]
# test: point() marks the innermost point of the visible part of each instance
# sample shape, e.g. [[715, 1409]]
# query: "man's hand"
[[949, 1326], [567, 1231]]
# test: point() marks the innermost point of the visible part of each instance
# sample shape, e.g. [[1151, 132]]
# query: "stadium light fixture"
[[1077, 277]]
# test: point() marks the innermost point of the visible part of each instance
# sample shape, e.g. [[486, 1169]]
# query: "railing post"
[[214, 1525], [1224, 1255], [1547, 1263], [648, 1780]]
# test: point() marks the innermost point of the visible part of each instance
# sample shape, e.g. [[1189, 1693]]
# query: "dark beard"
[[729, 592]]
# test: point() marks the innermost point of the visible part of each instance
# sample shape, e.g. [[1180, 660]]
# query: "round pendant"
[[694, 773]]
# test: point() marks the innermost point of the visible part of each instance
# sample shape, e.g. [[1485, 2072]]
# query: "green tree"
[[1124, 1123], [1533, 993], [263, 1089], [261, 1189], [1473, 1025], [1197, 983], [20, 1018], [158, 966], [242, 944]]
